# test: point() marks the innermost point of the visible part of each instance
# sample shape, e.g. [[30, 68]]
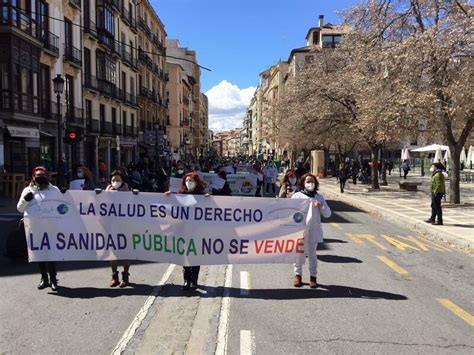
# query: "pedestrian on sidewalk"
[[39, 189], [343, 174], [192, 185], [406, 168], [117, 183], [271, 175], [288, 185], [438, 189], [314, 232]]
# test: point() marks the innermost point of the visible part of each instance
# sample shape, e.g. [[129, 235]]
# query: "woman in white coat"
[[39, 189], [314, 232]]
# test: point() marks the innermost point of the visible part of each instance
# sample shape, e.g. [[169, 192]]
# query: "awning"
[[431, 148], [23, 132], [46, 134]]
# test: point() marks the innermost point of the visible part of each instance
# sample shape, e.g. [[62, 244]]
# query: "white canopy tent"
[[470, 155], [431, 148], [463, 157]]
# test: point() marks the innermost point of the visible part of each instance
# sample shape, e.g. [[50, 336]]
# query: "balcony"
[[21, 102], [150, 95], [92, 126], [90, 27], [51, 43], [130, 99], [74, 115], [106, 127], [145, 59], [75, 3], [72, 55], [128, 59], [126, 16], [116, 5], [13, 17], [129, 131], [107, 88], [90, 82], [144, 26]]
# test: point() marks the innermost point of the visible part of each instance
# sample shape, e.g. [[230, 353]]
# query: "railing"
[[105, 127], [107, 88], [51, 42], [150, 95], [72, 55], [12, 16], [127, 58], [75, 3], [144, 26], [90, 82], [74, 115], [90, 27], [143, 57], [131, 99], [92, 125]]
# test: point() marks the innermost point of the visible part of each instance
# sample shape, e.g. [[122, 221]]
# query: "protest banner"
[[77, 184], [179, 229], [242, 184]]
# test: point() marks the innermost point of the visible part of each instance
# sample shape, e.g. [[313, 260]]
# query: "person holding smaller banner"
[[288, 186], [192, 184], [117, 183], [39, 189], [314, 233]]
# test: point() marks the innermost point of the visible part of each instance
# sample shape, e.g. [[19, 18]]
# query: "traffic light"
[[73, 136]]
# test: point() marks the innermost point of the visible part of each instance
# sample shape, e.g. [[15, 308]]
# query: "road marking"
[[461, 313], [244, 283], [392, 265], [247, 342], [142, 313], [398, 244], [368, 237], [335, 225], [423, 246], [222, 334]]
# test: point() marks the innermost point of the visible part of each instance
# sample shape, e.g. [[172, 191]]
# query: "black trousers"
[[342, 182], [436, 207], [191, 273], [47, 267]]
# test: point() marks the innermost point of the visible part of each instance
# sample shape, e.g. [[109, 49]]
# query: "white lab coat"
[[39, 195], [314, 230]]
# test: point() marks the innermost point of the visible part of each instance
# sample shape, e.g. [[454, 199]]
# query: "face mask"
[[116, 184], [190, 185], [80, 174], [309, 186], [41, 180], [180, 171], [292, 180], [432, 169]]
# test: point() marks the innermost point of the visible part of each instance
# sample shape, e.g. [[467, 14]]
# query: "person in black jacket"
[[226, 190]]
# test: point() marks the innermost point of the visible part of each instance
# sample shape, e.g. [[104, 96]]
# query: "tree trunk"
[[454, 190], [374, 154]]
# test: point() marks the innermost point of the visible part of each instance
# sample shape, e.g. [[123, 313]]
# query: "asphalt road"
[[383, 289]]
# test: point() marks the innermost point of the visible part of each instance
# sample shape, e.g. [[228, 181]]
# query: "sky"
[[237, 40]]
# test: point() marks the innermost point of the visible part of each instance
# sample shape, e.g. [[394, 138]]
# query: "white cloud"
[[227, 105]]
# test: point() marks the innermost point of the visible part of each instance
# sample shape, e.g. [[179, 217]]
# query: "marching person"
[[308, 190], [438, 189], [83, 172], [117, 183], [39, 189], [270, 172], [288, 185], [193, 185]]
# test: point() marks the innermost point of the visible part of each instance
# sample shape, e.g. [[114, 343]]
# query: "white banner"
[[179, 229]]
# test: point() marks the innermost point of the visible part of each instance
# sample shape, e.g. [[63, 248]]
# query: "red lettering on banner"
[[258, 247], [290, 245], [279, 246], [268, 246], [299, 243]]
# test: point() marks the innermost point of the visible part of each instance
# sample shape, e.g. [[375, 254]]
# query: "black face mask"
[[41, 181]]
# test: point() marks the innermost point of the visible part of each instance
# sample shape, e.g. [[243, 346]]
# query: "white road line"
[[247, 342], [122, 344], [221, 348], [244, 283]]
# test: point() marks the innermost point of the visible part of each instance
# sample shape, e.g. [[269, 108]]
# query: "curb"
[[421, 227]]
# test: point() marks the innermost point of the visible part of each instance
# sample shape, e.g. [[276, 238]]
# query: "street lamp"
[[58, 84]]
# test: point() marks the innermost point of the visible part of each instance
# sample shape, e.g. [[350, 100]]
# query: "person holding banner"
[[308, 190], [225, 190], [289, 184], [192, 184], [39, 189], [118, 184]]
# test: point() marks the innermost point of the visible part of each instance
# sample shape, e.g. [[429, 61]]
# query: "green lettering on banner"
[[136, 240]]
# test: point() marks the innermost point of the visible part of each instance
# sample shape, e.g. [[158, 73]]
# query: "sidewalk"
[[411, 209]]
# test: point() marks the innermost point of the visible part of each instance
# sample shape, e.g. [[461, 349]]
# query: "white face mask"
[[432, 169], [309, 186], [292, 180], [116, 184], [80, 174], [180, 171], [190, 185]]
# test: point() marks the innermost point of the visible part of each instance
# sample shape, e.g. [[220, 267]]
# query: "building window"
[[330, 41], [106, 69], [308, 59], [69, 95], [114, 120], [88, 113], [45, 91], [124, 122], [102, 117]]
